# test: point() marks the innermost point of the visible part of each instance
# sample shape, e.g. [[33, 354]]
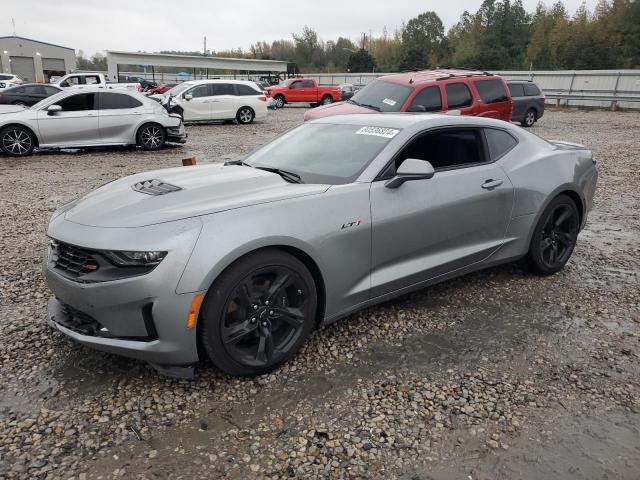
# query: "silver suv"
[[528, 102]]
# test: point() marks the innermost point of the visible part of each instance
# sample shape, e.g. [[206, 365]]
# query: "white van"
[[200, 100]]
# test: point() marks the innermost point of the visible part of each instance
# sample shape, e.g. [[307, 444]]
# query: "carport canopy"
[[190, 61]]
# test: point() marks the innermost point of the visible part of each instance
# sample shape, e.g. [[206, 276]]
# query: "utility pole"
[[204, 51], [13, 22]]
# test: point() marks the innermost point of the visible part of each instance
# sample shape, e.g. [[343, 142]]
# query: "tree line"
[[500, 35]]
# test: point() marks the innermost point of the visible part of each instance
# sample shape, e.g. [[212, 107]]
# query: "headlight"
[[134, 259]]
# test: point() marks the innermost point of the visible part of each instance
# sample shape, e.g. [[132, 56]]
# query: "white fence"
[[589, 88]]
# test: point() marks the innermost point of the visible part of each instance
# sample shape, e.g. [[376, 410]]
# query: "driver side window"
[[78, 103], [445, 150], [200, 91], [295, 85]]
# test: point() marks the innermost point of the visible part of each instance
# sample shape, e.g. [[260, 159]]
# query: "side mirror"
[[187, 96], [411, 169], [417, 108], [53, 109]]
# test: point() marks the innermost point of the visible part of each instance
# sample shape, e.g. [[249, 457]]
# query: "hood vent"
[[155, 187]]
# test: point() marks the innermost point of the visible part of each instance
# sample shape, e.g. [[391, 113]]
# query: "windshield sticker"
[[390, 102], [378, 132]]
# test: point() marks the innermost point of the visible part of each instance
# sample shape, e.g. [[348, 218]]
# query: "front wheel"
[[555, 236], [151, 136], [245, 116], [17, 141], [258, 313], [529, 118]]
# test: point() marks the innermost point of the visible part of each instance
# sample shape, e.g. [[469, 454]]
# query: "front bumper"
[[177, 134], [140, 316]]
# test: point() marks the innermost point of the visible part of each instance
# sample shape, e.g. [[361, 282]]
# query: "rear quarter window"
[[531, 90], [243, 89], [500, 142], [491, 91]]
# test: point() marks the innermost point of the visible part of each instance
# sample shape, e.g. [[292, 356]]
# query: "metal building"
[[35, 61]]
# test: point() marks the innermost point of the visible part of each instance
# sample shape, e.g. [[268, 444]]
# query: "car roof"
[[520, 81], [405, 120], [221, 80], [426, 76]]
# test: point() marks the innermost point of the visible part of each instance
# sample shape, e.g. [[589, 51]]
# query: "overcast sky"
[[132, 25]]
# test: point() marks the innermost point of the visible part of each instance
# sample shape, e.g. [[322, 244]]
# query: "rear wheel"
[[151, 136], [258, 313], [17, 141], [529, 118], [245, 115], [555, 236], [327, 99]]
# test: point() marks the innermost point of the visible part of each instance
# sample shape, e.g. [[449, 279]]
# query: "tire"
[[554, 237], [151, 136], [327, 100], [243, 326], [530, 117], [280, 102], [245, 116], [17, 141]]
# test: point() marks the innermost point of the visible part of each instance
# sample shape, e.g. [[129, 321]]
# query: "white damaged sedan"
[[88, 118]]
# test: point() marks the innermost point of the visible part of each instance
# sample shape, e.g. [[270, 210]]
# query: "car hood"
[[11, 109], [185, 192], [339, 108]]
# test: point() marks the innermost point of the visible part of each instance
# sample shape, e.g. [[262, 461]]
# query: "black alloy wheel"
[[555, 236], [17, 141], [258, 313]]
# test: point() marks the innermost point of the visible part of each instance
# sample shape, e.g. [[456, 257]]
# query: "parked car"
[[528, 102], [8, 80], [86, 118], [27, 95], [228, 261], [160, 89], [347, 90], [471, 92], [82, 80], [145, 84], [304, 90], [206, 100]]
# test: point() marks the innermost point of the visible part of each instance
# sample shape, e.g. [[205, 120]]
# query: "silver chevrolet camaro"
[[88, 117], [242, 261]]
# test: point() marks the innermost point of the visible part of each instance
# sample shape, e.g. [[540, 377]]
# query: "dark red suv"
[[472, 92]]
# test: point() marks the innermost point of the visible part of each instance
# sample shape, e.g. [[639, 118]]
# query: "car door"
[[459, 97], [494, 101], [76, 124], [296, 91], [225, 102], [429, 99], [518, 98], [118, 116], [199, 105], [427, 228]]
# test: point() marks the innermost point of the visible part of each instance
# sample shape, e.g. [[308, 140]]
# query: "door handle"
[[491, 184]]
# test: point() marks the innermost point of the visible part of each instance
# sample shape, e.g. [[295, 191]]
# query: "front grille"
[[71, 260], [155, 187]]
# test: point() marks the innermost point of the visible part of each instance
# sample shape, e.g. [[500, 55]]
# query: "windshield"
[[382, 96], [323, 153], [178, 89]]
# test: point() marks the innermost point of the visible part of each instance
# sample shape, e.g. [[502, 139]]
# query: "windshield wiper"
[[372, 107], [288, 176]]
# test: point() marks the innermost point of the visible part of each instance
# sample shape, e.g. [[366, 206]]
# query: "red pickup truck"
[[302, 90]]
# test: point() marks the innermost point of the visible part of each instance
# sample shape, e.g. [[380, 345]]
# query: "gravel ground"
[[496, 375]]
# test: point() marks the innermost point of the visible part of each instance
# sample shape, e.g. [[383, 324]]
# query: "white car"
[[8, 80], [200, 100]]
